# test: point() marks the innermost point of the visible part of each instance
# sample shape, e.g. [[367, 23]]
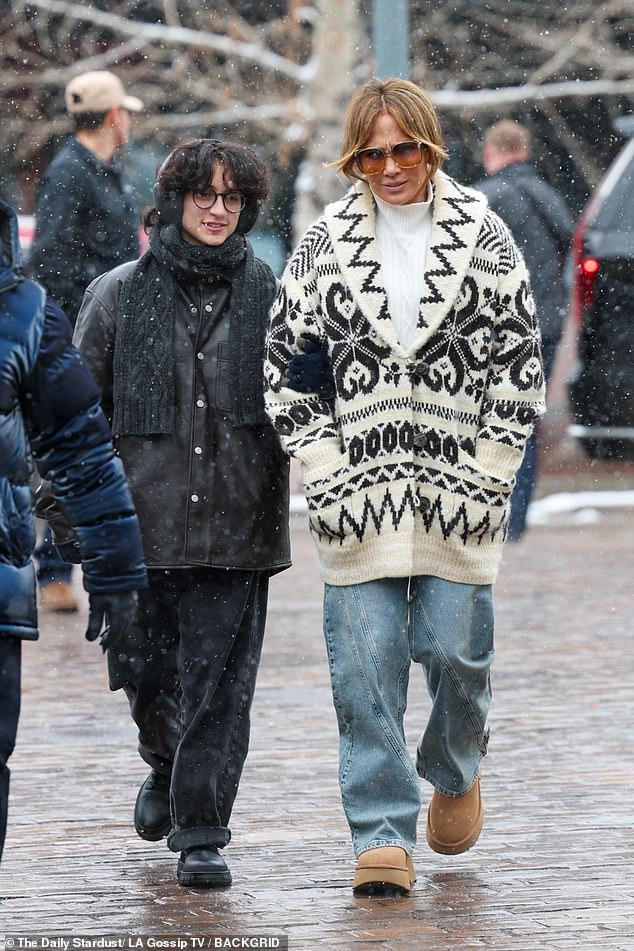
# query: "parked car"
[[601, 391]]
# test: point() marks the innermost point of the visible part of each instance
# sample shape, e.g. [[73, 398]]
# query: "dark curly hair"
[[190, 166]]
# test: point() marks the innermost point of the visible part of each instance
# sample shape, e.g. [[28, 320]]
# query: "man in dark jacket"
[[542, 225], [175, 342], [49, 407], [86, 223]]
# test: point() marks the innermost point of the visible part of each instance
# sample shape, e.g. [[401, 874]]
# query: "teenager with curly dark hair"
[[176, 342]]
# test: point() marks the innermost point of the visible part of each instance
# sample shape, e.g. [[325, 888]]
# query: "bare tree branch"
[[280, 74], [60, 76], [179, 36], [482, 100], [582, 38]]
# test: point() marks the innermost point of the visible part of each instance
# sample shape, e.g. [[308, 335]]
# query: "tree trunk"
[[336, 53]]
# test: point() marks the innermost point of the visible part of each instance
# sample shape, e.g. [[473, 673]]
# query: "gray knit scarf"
[[143, 373]]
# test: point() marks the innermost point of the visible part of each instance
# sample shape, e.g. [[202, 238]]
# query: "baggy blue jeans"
[[373, 633]]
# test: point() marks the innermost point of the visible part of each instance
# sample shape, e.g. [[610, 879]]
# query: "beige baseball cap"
[[98, 91]]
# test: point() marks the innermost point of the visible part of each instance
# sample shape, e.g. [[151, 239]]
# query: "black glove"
[[117, 610], [70, 552], [311, 370]]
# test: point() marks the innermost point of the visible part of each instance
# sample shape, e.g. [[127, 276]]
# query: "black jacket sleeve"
[[62, 215]]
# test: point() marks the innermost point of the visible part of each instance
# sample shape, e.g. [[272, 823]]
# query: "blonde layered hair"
[[508, 136], [408, 105]]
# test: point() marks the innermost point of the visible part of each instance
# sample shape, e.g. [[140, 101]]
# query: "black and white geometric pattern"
[[417, 454]]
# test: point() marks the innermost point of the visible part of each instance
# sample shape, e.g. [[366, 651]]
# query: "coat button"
[[420, 440], [194, 498], [200, 403], [423, 503], [200, 356], [198, 450]]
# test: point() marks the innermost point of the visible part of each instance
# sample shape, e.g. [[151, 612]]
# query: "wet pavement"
[[554, 868]]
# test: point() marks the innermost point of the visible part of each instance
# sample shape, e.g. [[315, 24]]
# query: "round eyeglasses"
[[405, 154], [233, 202]]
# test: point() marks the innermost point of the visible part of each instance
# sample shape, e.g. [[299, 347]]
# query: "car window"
[[616, 212]]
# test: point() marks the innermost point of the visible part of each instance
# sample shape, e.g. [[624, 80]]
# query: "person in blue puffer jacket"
[[50, 412]]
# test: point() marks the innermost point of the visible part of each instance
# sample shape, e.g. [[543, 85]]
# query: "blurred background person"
[[86, 223], [49, 406], [542, 225]]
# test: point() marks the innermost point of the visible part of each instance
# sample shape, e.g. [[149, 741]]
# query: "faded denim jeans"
[[373, 633]]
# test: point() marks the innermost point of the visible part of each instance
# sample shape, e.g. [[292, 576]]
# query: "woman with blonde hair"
[[421, 299]]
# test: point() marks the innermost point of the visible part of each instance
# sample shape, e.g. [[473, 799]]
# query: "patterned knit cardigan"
[[409, 470]]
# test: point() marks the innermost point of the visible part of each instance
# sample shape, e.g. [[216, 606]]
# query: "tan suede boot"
[[384, 870], [59, 596], [454, 823]]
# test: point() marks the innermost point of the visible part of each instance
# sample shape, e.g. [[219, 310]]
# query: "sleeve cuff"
[[321, 452], [498, 460]]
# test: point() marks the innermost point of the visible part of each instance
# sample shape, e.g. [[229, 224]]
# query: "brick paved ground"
[[554, 868]]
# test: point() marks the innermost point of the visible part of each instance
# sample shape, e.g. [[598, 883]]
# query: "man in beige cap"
[[86, 223], [98, 91], [86, 220]]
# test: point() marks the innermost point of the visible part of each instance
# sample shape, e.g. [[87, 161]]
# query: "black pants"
[[50, 566], [10, 673], [188, 669]]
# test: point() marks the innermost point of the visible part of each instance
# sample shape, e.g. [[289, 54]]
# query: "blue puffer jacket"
[[49, 409]]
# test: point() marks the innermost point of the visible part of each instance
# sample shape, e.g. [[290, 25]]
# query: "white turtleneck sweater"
[[402, 233]]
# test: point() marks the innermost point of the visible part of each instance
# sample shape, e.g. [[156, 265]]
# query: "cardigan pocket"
[[328, 496], [484, 506]]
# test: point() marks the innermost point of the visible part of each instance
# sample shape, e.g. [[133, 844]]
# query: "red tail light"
[[589, 266], [585, 273]]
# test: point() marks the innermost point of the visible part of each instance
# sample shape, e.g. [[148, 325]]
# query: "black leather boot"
[[152, 819], [202, 867]]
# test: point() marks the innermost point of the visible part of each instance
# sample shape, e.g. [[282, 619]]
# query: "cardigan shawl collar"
[[457, 216]]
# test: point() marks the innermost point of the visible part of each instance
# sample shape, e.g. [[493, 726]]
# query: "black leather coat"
[[210, 493]]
